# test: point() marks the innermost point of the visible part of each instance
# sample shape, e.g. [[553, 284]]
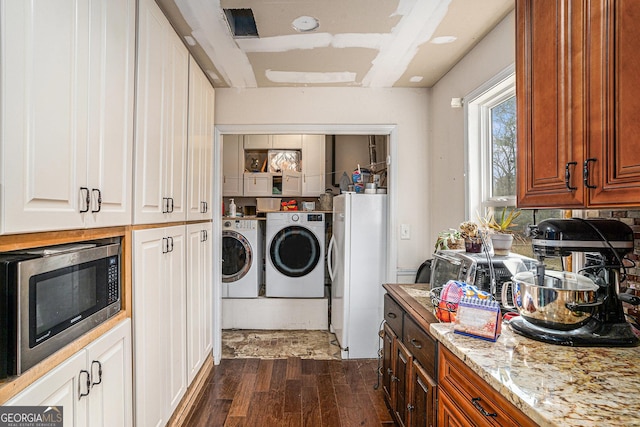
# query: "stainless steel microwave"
[[51, 296]]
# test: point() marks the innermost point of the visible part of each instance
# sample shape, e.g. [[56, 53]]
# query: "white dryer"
[[242, 258], [294, 257]]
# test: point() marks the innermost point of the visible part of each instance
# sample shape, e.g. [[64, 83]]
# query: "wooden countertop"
[[553, 385]]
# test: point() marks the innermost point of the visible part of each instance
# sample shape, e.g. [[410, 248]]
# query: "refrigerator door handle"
[[332, 244]]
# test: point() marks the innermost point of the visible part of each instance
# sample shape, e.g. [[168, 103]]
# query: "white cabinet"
[[257, 142], [278, 142], [159, 315], [94, 385], [313, 158], [161, 119], [199, 296], [66, 84], [232, 165], [291, 183], [286, 142], [258, 184], [200, 143]]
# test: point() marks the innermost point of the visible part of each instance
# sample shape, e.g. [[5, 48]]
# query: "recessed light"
[[305, 23], [444, 39]]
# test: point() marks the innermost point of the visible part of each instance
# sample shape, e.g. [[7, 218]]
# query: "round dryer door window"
[[295, 251], [236, 256]]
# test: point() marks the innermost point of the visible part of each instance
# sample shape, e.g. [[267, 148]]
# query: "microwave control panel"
[[113, 278]]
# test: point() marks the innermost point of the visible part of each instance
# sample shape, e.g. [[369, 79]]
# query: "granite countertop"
[[554, 385]]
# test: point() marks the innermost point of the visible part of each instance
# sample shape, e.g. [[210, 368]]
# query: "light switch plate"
[[405, 231]]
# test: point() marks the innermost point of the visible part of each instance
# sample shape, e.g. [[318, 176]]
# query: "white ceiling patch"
[[309, 78], [368, 40], [285, 43], [420, 19], [207, 20]]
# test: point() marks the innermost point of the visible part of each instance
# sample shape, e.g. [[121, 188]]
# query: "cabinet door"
[[286, 142], [175, 330], [614, 101], [233, 165], [291, 184], [258, 184], [200, 141], [401, 383], [161, 119], [423, 397], [449, 415], [44, 114], [550, 91], [60, 387], [176, 87], [151, 327], [110, 126], [313, 158], [388, 352], [261, 142], [109, 361], [198, 297], [149, 168]]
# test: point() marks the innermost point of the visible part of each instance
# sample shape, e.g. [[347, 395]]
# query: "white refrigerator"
[[357, 263]]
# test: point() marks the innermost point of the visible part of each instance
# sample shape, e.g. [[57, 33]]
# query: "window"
[[491, 156]]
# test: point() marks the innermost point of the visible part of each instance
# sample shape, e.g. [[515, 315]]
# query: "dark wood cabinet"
[[408, 368], [466, 399], [577, 101]]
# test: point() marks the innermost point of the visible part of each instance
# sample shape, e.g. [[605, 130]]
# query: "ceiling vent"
[[241, 23]]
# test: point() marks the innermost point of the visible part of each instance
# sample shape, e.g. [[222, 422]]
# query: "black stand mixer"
[[605, 243]]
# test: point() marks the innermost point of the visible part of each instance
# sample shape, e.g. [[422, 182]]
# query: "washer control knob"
[[295, 217], [227, 223]]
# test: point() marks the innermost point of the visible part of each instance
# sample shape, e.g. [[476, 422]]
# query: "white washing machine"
[[294, 256], [242, 257]]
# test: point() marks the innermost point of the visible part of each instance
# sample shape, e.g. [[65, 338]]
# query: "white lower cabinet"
[[93, 386], [159, 323], [199, 294], [313, 156]]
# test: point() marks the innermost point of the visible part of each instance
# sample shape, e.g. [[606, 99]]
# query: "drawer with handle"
[[393, 314], [421, 345]]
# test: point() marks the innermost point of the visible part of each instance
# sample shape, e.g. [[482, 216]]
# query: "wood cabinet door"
[[550, 94], [258, 184], [401, 383], [423, 397], [388, 352], [614, 102], [449, 415]]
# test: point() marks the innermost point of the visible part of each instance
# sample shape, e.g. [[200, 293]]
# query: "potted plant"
[[450, 239], [471, 234], [500, 228]]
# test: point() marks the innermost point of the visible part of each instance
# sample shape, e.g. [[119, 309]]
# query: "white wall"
[[447, 153], [327, 108]]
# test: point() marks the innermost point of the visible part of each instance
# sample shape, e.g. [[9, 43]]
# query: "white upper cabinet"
[[313, 157], [277, 142], [200, 143], [232, 165], [66, 84], [161, 119], [257, 142]]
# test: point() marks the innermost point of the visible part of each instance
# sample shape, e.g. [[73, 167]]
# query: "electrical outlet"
[[405, 231]]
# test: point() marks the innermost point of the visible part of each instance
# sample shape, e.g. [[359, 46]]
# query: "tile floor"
[[280, 344]]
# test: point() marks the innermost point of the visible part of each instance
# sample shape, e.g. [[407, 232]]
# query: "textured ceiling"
[[359, 43]]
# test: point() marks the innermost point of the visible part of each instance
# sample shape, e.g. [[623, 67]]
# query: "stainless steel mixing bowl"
[[564, 300]]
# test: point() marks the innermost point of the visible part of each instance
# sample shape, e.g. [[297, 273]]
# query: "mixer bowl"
[[564, 300]]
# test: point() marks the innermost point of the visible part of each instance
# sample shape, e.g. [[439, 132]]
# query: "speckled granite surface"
[[555, 385]]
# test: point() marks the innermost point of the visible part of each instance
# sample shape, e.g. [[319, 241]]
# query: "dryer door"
[[294, 251], [236, 256]]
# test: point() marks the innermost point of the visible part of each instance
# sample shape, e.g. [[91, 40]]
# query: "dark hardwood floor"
[[292, 392]]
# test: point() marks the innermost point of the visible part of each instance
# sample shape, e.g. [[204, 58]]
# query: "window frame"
[[477, 114]]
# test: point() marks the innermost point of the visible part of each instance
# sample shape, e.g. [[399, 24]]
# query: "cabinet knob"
[[410, 407]]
